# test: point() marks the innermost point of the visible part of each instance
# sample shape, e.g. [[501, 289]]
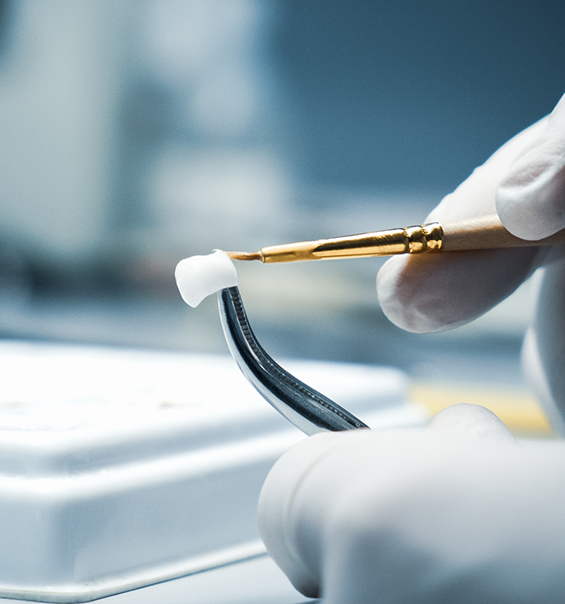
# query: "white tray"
[[120, 468]]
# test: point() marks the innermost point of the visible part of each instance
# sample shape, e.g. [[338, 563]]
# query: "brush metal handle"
[[485, 232], [409, 240]]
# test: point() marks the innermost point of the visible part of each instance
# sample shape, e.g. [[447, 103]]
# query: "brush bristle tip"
[[247, 256]]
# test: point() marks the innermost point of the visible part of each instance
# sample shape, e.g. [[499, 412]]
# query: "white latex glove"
[[524, 181], [456, 513]]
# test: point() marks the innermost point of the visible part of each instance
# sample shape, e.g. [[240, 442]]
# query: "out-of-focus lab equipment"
[[136, 132]]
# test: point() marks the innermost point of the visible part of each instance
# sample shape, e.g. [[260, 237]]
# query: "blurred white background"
[[134, 133]]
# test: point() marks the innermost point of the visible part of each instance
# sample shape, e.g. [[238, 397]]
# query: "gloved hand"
[[524, 182], [457, 512]]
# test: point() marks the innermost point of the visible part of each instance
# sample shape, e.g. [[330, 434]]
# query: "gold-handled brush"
[[482, 233]]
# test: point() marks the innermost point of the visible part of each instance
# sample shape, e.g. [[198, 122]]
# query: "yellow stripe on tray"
[[517, 408]]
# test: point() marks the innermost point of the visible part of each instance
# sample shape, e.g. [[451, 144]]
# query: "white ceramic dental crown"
[[200, 276]]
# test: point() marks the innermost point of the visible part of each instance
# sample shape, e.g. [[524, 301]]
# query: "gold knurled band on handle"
[[424, 238], [434, 236]]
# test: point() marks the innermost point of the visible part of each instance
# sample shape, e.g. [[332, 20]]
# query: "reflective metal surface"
[[409, 240], [306, 408]]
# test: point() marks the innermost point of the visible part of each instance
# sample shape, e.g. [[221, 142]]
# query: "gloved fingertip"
[[539, 377], [544, 347], [527, 219], [430, 293], [471, 421], [530, 199], [274, 510], [388, 282], [394, 291]]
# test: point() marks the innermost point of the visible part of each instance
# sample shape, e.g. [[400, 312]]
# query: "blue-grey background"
[[414, 94], [134, 133]]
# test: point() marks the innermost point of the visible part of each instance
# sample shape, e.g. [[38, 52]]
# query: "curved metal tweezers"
[[306, 408]]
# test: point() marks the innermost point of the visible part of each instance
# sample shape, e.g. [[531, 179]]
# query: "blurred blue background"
[[401, 95], [134, 133]]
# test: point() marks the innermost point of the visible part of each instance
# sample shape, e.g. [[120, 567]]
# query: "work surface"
[[122, 471], [255, 581], [126, 457]]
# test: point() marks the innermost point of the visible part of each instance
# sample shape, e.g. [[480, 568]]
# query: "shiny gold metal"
[[244, 255], [480, 233], [411, 240]]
